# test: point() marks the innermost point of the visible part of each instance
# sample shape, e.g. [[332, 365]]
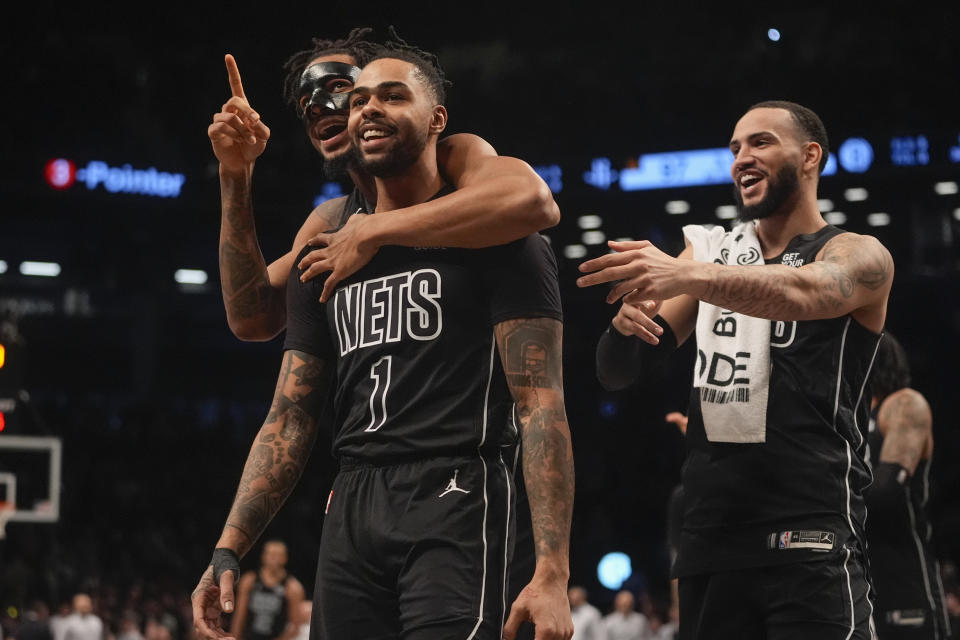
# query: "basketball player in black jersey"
[[910, 599], [772, 541], [419, 526], [498, 199], [268, 598]]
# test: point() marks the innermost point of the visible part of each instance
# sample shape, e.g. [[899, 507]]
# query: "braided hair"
[[357, 45]]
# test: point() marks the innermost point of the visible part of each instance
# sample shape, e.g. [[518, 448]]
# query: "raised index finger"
[[233, 74]]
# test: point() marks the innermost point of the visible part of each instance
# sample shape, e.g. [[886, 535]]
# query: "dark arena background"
[[115, 339]]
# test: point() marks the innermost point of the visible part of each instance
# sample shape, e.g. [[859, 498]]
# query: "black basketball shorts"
[[826, 599], [416, 550]]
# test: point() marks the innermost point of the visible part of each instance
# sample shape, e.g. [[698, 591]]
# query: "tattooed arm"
[[905, 422], [276, 460], [254, 293], [852, 274], [531, 352]]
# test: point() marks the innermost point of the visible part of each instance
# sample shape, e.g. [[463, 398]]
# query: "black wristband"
[[623, 359], [224, 560]]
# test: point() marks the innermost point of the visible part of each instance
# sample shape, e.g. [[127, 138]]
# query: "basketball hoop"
[[7, 509]]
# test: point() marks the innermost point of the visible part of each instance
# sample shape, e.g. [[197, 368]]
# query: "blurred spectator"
[[129, 627], [83, 623], [301, 618], [587, 622], [268, 599], [624, 623], [156, 630], [58, 621], [661, 627], [35, 624]]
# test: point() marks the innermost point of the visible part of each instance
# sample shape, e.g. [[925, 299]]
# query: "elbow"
[[539, 207], [612, 384], [611, 381], [546, 207], [253, 330]]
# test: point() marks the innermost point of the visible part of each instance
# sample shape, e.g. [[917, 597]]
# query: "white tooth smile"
[[372, 134], [747, 180]]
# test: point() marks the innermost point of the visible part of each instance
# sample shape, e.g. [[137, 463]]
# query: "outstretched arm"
[[852, 273], [274, 464], [498, 200], [531, 352]]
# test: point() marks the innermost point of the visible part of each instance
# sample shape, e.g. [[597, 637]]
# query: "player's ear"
[[812, 152], [438, 121]]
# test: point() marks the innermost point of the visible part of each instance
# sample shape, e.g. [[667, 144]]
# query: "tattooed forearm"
[[530, 350], [281, 450], [247, 292], [851, 272]]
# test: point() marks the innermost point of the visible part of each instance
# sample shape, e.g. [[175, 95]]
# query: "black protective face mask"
[[313, 93]]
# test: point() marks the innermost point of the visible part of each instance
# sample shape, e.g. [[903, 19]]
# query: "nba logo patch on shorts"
[[812, 540], [784, 539]]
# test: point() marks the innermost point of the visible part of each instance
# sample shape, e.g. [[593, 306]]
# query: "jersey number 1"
[[380, 374]]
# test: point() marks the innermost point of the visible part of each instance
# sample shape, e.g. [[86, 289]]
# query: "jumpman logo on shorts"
[[452, 485]]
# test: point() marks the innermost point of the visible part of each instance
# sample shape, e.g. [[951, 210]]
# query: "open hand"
[[637, 265], [342, 253]]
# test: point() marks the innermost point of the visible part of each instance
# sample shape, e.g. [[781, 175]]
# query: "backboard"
[[30, 472]]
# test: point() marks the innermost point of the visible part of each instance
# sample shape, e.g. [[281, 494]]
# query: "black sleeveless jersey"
[[905, 572], [418, 372], [798, 494], [266, 610], [355, 203]]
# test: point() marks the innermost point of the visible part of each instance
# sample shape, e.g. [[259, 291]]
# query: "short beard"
[[404, 154], [780, 187], [337, 167]]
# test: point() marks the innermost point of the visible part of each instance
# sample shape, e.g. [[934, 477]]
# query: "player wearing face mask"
[[497, 200]]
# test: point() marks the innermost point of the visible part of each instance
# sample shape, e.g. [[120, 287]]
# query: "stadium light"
[[42, 269]]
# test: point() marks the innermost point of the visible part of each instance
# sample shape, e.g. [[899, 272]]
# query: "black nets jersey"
[[355, 203], [267, 609], [418, 373], [905, 572], [798, 494]]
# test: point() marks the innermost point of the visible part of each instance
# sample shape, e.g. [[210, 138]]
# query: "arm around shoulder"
[[509, 186]]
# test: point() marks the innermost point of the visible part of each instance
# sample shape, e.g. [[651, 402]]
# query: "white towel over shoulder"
[[733, 350]]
